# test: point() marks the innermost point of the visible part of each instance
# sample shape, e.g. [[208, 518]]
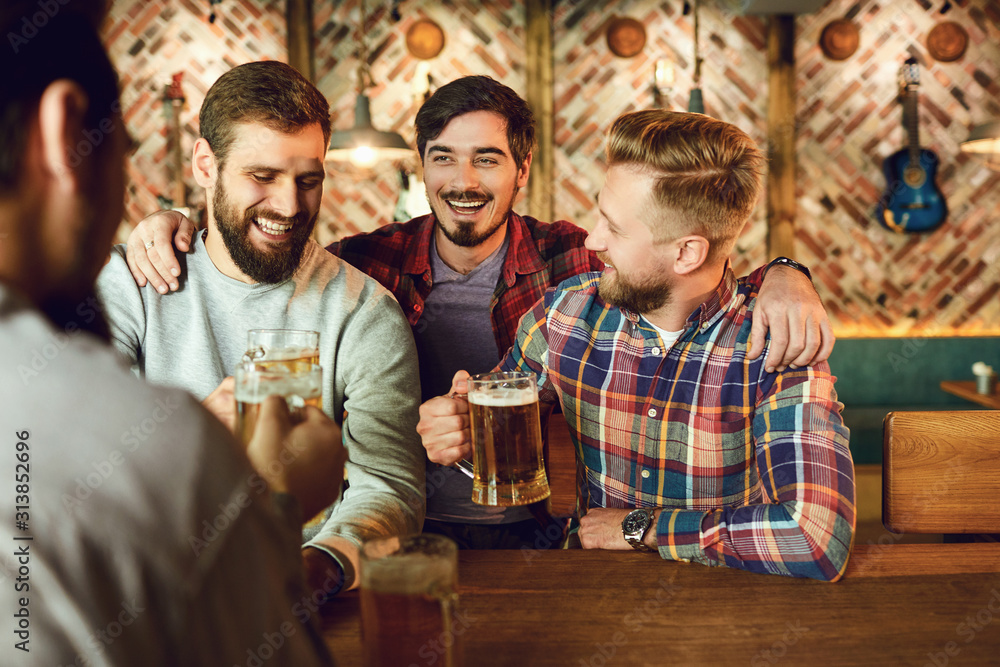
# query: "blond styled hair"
[[707, 173]]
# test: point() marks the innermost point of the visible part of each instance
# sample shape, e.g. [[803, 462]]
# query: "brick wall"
[[848, 120]]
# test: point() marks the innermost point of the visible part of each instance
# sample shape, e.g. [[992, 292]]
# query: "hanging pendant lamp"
[[363, 145]]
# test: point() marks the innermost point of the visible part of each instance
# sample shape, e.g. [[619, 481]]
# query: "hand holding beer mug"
[[300, 385], [409, 600], [305, 459], [506, 439]]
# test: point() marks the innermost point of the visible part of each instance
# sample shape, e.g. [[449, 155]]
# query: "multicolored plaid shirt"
[[540, 255], [752, 467]]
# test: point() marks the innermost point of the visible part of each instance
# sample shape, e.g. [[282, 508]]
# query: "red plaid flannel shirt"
[[540, 255]]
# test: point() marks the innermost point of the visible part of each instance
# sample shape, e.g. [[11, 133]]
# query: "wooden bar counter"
[[936, 604]]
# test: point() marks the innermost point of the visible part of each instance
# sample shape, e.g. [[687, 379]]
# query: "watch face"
[[635, 522]]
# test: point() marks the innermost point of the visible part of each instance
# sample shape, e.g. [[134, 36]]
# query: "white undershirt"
[[669, 337]]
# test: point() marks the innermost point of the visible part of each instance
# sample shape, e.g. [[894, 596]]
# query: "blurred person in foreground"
[[106, 559], [465, 275], [685, 445]]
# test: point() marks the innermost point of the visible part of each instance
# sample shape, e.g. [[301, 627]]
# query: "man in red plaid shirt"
[[465, 274]]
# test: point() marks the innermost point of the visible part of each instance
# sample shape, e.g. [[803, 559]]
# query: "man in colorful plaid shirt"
[[465, 274], [685, 445]]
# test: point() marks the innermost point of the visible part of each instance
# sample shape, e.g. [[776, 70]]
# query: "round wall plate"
[[947, 41], [839, 39], [424, 39], [626, 37]]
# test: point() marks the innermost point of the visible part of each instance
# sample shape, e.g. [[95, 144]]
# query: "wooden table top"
[[897, 604], [967, 390]]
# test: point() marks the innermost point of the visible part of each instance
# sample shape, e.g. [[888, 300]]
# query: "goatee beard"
[[465, 235], [261, 266]]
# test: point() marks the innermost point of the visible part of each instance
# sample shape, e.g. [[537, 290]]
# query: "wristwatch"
[[790, 263], [634, 526]]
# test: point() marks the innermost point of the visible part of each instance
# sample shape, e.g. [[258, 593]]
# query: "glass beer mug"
[[508, 467]]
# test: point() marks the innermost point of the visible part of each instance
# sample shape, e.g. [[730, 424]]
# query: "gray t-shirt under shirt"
[[455, 333]]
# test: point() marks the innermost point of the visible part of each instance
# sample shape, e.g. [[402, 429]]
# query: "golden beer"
[[409, 599], [299, 386], [506, 440], [291, 349]]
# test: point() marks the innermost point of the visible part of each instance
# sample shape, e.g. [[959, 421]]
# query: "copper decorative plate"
[[839, 39], [626, 37], [424, 39], [947, 41]]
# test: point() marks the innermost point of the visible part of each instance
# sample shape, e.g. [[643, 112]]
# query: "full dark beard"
[[261, 266], [636, 297]]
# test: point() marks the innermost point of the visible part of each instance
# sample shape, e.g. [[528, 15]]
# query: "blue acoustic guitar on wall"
[[912, 201]]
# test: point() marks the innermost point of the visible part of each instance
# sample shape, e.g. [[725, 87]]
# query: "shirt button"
[[652, 412], [645, 474], [656, 351]]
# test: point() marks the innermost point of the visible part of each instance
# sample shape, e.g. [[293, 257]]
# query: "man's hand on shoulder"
[[789, 307], [150, 249]]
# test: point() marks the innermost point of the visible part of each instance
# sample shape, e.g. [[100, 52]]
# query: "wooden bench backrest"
[[941, 472]]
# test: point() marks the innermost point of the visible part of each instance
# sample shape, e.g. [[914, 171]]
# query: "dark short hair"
[[268, 92], [477, 93], [38, 48]]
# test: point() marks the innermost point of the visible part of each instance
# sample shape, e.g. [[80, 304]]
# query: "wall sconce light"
[[984, 140]]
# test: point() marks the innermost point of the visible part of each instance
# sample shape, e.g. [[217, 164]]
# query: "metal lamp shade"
[[363, 144], [984, 140]]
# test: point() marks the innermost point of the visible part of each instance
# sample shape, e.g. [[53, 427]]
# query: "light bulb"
[[364, 156]]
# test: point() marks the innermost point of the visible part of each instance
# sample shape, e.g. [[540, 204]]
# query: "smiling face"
[[265, 200], [637, 274], [472, 179]]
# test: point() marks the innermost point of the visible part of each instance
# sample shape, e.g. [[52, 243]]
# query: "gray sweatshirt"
[[193, 338]]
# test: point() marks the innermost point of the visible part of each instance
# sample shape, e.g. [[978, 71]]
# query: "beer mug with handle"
[[508, 466]]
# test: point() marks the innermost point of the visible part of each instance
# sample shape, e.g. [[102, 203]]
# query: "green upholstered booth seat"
[[878, 375]]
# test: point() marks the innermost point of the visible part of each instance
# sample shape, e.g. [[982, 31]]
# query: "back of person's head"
[[270, 93], [41, 45], [707, 172], [477, 93]]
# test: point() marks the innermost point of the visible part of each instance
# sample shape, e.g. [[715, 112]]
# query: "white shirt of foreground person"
[[119, 477]]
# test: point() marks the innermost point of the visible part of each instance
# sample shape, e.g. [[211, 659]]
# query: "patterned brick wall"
[[148, 41], [872, 281]]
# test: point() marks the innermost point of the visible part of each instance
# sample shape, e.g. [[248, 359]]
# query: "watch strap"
[[636, 541], [790, 263]]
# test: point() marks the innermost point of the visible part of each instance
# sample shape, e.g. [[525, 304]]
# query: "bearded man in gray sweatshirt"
[[265, 130]]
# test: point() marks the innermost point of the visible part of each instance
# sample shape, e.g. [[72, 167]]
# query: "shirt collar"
[[522, 255], [417, 260]]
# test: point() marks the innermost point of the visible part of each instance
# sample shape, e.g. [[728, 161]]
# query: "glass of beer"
[[507, 458], [300, 385], [409, 601], [292, 348]]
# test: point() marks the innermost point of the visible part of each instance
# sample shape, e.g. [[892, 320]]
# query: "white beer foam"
[[506, 398], [406, 574]]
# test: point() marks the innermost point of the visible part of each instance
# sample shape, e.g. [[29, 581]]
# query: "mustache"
[[466, 195], [604, 257], [270, 214]]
